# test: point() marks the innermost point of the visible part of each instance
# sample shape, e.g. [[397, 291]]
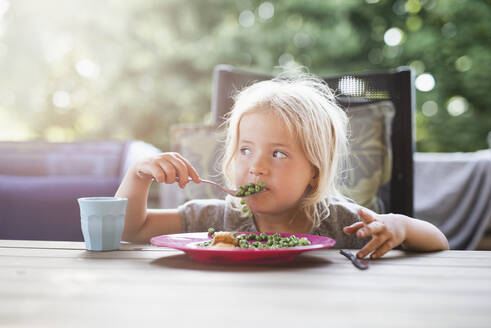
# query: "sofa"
[[40, 182]]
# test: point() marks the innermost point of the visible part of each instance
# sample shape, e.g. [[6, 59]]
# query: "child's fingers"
[[353, 228], [181, 169], [194, 174], [177, 166], [169, 170], [143, 171], [156, 172], [375, 227], [383, 249], [191, 170], [372, 245], [366, 216]]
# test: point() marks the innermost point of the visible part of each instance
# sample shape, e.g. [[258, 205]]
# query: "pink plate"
[[187, 242]]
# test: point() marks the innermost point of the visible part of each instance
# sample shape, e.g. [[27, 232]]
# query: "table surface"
[[59, 284]]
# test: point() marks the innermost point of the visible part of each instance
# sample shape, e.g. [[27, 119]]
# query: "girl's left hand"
[[387, 231]]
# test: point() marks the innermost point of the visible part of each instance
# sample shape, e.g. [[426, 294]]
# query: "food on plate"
[[252, 240], [224, 239]]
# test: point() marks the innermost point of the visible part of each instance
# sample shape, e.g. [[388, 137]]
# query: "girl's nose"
[[258, 170], [259, 164]]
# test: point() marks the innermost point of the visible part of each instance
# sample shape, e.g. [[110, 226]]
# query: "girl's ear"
[[315, 177]]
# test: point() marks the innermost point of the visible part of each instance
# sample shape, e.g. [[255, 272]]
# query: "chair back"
[[396, 86]]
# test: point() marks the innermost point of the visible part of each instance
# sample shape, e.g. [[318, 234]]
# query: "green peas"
[[257, 244], [303, 242], [243, 244], [245, 209], [205, 244], [250, 189], [251, 237], [262, 240]]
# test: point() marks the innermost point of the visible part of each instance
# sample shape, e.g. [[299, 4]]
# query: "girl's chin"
[[259, 208]]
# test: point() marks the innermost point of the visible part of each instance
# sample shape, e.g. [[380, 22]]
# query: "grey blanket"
[[453, 191]]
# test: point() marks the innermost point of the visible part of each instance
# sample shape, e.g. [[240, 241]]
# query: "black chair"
[[394, 85]]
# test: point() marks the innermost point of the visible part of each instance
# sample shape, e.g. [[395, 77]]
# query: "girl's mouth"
[[263, 190]]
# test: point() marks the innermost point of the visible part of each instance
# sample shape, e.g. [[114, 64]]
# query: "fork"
[[226, 190], [229, 191], [359, 263]]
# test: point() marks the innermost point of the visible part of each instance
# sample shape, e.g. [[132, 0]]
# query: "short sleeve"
[[342, 214], [199, 215]]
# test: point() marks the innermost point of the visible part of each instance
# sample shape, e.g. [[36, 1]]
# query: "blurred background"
[[85, 70]]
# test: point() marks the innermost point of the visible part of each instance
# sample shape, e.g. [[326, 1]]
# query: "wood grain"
[[59, 284]]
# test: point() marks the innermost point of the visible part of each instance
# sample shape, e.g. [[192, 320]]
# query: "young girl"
[[289, 134]]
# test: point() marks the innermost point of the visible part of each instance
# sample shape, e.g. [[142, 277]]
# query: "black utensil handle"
[[352, 257]]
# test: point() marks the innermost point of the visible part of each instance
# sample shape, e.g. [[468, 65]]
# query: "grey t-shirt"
[[199, 215]]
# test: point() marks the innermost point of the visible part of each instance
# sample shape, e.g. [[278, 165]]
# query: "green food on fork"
[[243, 191], [248, 190]]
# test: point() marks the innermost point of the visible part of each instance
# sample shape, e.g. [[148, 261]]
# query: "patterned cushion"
[[371, 153], [202, 146], [370, 169]]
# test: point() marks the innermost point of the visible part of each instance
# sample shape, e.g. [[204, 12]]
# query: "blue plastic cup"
[[102, 220]]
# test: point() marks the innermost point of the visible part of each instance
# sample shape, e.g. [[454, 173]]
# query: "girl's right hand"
[[167, 168]]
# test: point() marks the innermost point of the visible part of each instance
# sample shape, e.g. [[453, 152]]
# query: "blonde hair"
[[308, 108]]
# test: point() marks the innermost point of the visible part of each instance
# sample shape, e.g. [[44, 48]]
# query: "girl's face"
[[267, 152]]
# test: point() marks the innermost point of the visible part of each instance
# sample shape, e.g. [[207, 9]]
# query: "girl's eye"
[[245, 151], [279, 154]]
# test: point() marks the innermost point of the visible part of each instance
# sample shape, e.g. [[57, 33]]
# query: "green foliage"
[[155, 60]]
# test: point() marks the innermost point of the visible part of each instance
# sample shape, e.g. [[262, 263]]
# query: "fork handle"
[[177, 179], [150, 176], [217, 185], [222, 188], [352, 257]]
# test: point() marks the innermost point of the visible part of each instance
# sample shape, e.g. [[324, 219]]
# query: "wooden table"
[[60, 284]]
